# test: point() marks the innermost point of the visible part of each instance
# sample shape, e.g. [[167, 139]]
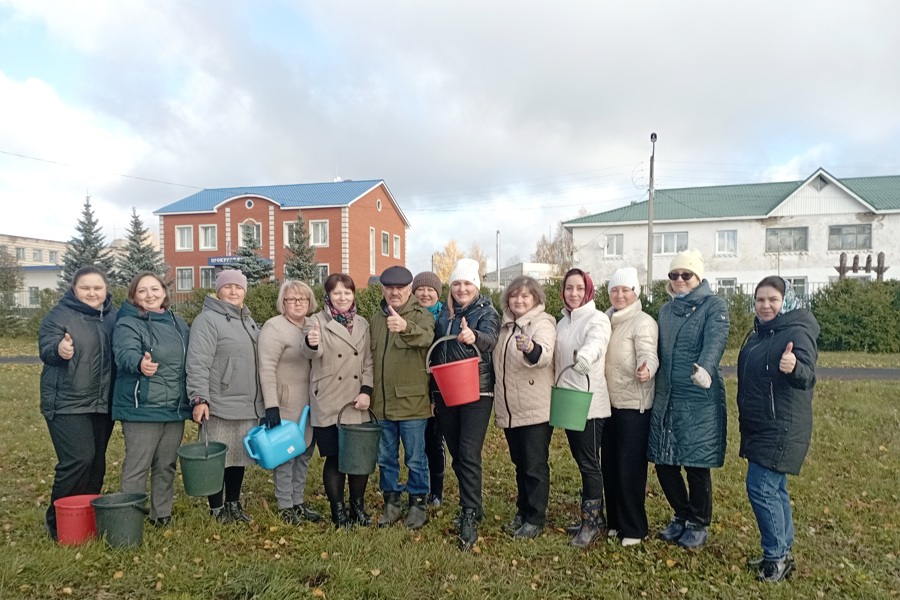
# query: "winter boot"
[[513, 526], [392, 510], [418, 512], [339, 516], [358, 512], [236, 511], [468, 529], [593, 525], [673, 531], [694, 536], [220, 514], [305, 512], [479, 517]]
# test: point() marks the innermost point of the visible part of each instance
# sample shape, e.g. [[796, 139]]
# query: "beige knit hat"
[[689, 260]]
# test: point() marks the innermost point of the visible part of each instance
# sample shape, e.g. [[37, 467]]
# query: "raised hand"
[[788, 360], [66, 348], [148, 367], [395, 322], [524, 343], [314, 336], [643, 373], [466, 335]]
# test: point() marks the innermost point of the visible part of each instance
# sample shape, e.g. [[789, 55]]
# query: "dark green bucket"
[[120, 518], [358, 445], [569, 408], [203, 467]]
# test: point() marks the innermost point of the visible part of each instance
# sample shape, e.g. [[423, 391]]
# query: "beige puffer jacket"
[[522, 389], [584, 331], [634, 338]]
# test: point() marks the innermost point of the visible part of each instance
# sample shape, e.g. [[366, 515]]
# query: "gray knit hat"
[[427, 278]]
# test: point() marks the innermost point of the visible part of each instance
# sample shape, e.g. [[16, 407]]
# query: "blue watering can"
[[273, 447]]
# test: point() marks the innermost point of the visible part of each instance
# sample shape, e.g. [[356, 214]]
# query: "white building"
[[796, 229], [41, 263], [543, 272]]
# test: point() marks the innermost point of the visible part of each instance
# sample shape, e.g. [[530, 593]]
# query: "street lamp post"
[[650, 221]]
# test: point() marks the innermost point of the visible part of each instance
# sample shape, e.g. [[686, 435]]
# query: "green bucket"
[[569, 408], [120, 518], [358, 445], [203, 467]]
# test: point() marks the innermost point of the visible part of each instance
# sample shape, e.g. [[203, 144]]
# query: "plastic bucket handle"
[[445, 338], [348, 405], [586, 376]]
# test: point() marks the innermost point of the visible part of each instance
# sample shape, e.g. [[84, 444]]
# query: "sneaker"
[[513, 526], [528, 531], [694, 536], [435, 501], [630, 542], [754, 564], [468, 529], [772, 571], [613, 533], [306, 513], [290, 516], [673, 531]]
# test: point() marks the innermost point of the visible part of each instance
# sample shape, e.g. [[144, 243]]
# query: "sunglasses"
[[685, 276]]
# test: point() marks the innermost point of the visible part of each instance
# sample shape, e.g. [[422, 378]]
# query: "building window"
[[208, 235], [20, 253], [321, 274], [34, 296], [799, 284], [670, 243], [37, 255], [371, 250], [184, 238], [184, 279], [254, 229], [318, 233], [249, 203], [787, 239], [726, 287], [378, 205], [850, 237], [396, 246], [726, 241], [385, 243], [289, 227], [208, 277], [54, 256], [615, 245]]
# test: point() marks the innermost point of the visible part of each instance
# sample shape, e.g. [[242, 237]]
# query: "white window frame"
[[286, 232], [396, 246], [201, 240], [258, 233], [719, 239], [805, 285], [727, 283], [54, 256], [20, 253], [371, 250], [179, 271], [178, 245], [212, 279], [782, 247], [317, 230], [385, 243], [37, 255], [840, 245], [618, 240], [321, 277], [663, 237]]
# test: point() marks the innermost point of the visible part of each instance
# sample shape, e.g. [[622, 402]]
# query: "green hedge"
[[859, 316]]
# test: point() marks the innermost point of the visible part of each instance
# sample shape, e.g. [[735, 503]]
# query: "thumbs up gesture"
[[66, 349], [395, 322], [148, 367], [643, 373], [466, 335], [314, 336], [524, 343], [788, 360]]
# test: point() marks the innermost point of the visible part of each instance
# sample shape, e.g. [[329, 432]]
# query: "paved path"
[[821, 372]]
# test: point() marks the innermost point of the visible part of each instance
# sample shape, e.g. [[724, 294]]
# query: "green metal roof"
[[736, 201]]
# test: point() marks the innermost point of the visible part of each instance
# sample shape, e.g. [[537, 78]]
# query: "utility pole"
[[650, 221], [498, 259]]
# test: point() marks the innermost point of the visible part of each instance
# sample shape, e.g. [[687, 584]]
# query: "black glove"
[[273, 417]]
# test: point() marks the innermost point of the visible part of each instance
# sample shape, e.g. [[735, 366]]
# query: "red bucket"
[[458, 381], [75, 522]]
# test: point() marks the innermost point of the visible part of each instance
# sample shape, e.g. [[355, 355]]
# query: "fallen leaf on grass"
[[670, 562], [375, 572], [118, 575], [67, 591], [159, 585], [324, 556], [682, 591], [318, 593]]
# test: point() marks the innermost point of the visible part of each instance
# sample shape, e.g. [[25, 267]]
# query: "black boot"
[[236, 512], [418, 513], [673, 531], [339, 515], [593, 525], [392, 510], [468, 529], [358, 512]]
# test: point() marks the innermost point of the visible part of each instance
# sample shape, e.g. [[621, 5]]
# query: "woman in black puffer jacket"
[[474, 321], [75, 343]]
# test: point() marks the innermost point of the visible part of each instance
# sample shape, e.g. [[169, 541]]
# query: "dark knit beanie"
[[427, 278]]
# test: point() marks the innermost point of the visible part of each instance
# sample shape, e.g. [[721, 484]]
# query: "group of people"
[[656, 394]]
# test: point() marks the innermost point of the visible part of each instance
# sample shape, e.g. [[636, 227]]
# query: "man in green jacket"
[[401, 333]]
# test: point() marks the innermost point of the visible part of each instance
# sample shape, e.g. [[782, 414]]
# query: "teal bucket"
[[569, 408], [203, 467], [358, 445], [120, 518]]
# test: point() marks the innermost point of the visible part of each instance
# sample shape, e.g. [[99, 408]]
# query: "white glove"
[[582, 367], [700, 377]]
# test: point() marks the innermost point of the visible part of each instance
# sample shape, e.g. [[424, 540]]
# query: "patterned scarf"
[[344, 318], [790, 298]]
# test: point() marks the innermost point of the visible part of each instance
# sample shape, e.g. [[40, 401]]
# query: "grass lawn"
[[22, 346], [847, 518]]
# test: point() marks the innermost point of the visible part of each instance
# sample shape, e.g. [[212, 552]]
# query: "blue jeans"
[[771, 504], [412, 434]]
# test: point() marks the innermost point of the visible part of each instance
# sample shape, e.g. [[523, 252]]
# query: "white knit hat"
[[627, 277], [689, 260], [466, 269]]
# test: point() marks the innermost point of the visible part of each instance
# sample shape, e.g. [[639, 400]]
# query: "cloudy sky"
[[479, 116]]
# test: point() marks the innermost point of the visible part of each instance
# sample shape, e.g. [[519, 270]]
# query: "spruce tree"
[[300, 257], [140, 255], [11, 283], [87, 247], [255, 267]]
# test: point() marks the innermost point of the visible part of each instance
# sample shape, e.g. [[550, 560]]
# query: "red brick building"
[[356, 227]]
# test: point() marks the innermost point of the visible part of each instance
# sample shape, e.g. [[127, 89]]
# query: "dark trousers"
[[80, 442], [434, 451], [464, 430], [585, 448], [692, 503], [529, 449], [623, 460]]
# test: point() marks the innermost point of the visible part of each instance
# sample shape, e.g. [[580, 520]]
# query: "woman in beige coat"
[[341, 372], [631, 363], [523, 369], [284, 378]]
